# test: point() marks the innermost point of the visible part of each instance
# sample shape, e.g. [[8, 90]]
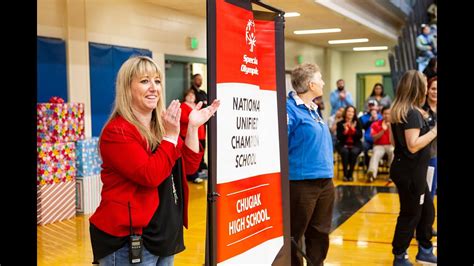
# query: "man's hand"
[[342, 95]]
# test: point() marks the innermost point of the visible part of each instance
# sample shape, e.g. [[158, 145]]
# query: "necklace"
[[175, 195]]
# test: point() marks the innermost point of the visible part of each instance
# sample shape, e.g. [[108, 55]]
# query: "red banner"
[[248, 213], [249, 216], [236, 50]]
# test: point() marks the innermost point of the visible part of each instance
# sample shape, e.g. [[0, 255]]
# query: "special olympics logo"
[[250, 34]]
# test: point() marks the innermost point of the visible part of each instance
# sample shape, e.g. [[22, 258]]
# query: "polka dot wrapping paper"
[[56, 162], [59, 122]]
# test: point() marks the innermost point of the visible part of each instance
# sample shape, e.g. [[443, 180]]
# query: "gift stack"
[[88, 182], [59, 125]]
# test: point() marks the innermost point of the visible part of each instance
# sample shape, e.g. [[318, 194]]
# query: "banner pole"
[[211, 256], [211, 134]]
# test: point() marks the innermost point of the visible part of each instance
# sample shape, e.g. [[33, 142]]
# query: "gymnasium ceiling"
[[376, 20]]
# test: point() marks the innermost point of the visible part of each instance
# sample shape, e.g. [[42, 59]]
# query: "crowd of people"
[[402, 131], [150, 188]]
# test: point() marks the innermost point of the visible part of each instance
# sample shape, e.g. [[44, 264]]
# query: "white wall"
[[310, 54], [336, 63], [361, 62], [334, 72], [51, 18], [144, 25]]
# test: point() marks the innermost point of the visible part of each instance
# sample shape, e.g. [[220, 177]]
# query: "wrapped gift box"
[[56, 202], [88, 161], [60, 122], [56, 162], [88, 191]]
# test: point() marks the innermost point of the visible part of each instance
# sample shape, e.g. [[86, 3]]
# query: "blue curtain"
[[105, 61], [51, 69]]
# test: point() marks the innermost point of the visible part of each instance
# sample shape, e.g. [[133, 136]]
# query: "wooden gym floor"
[[363, 224]]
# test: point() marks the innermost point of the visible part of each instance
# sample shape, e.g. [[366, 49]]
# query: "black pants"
[[349, 158], [416, 206], [203, 164], [367, 147], [311, 207]]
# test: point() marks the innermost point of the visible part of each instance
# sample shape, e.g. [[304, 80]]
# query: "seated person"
[[367, 119], [332, 124], [380, 131], [349, 144], [425, 46], [425, 43]]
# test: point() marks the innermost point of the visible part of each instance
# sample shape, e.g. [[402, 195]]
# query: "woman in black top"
[[412, 136], [349, 144]]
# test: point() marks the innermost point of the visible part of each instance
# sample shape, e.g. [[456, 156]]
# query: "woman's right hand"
[[170, 119]]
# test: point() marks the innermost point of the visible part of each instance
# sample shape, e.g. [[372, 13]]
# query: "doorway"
[[365, 84], [178, 73], [176, 80]]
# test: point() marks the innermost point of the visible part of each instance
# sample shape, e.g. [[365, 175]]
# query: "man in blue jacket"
[[366, 120], [340, 97]]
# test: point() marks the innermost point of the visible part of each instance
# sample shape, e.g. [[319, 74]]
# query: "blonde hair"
[[411, 93], [301, 75], [138, 66]]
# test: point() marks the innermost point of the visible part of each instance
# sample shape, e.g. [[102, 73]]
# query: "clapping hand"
[[373, 115], [346, 126], [199, 116], [342, 95], [171, 118]]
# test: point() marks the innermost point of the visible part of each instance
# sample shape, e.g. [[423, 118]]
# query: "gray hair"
[[301, 75]]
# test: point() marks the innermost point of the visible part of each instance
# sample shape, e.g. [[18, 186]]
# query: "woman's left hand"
[[199, 116]]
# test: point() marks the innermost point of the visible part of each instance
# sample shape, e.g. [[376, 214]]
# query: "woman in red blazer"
[[145, 163], [186, 107]]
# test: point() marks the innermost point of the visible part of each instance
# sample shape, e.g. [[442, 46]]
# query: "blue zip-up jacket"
[[310, 150], [365, 120]]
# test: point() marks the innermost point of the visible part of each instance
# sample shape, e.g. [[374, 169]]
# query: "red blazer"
[[130, 172], [184, 120]]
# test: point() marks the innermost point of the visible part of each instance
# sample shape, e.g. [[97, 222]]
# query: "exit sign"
[[193, 43], [299, 59], [380, 62]]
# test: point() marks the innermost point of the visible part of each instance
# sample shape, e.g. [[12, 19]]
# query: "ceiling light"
[[348, 41], [370, 48], [292, 14], [316, 31]]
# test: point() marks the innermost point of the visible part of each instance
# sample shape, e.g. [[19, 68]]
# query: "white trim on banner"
[[263, 254]]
